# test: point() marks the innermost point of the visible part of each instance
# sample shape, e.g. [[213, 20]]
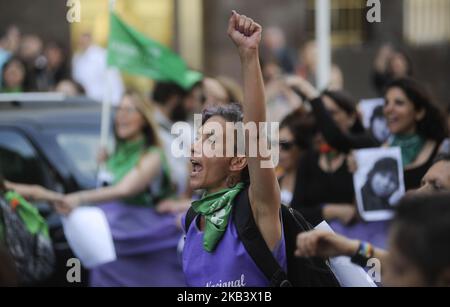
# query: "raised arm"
[[136, 181], [264, 190], [338, 139]]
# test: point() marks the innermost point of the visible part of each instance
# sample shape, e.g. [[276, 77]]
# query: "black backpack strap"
[[254, 243], [190, 216], [303, 272]]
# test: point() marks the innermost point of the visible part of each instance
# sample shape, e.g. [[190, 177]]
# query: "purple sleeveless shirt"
[[229, 265]]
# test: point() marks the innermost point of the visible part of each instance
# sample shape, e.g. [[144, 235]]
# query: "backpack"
[[301, 272], [32, 253]]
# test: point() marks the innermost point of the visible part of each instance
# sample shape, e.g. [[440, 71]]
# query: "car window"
[[81, 148], [19, 161]]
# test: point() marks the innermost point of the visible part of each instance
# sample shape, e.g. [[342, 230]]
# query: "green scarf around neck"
[[410, 146], [126, 157], [216, 208]]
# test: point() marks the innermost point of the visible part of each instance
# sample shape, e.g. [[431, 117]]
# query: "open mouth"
[[196, 167]]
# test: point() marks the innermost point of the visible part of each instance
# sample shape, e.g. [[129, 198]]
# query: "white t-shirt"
[[90, 70]]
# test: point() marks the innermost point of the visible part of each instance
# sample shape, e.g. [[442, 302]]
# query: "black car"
[[53, 144]]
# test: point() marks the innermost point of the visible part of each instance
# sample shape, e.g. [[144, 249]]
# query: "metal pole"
[[106, 103], [323, 17]]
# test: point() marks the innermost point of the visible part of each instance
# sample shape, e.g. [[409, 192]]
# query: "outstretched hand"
[[324, 244], [67, 204], [244, 32]]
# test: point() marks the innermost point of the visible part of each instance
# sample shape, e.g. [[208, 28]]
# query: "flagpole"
[[106, 104]]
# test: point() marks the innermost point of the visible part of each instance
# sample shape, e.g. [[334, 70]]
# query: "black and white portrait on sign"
[[373, 118], [378, 182]]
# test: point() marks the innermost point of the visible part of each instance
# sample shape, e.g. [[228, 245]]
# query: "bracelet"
[[363, 254]]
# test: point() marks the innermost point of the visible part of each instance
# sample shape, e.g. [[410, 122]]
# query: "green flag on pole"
[[132, 51]]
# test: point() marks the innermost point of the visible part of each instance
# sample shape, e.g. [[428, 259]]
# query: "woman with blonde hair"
[[137, 178]]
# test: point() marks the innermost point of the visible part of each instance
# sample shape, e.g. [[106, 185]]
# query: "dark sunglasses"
[[286, 145]]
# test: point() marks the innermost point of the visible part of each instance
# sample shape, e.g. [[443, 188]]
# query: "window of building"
[[426, 21], [348, 23]]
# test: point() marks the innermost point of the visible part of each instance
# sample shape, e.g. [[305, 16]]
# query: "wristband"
[[363, 254]]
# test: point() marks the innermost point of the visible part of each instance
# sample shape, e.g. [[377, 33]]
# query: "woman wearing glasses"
[[296, 137], [136, 179], [324, 185]]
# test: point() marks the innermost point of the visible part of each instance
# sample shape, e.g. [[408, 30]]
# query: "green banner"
[[132, 51]]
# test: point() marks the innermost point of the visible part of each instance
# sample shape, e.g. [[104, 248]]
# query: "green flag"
[[135, 53]]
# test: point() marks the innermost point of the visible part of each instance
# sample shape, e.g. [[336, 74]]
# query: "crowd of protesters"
[[148, 189]]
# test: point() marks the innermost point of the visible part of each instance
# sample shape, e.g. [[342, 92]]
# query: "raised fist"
[[244, 32]]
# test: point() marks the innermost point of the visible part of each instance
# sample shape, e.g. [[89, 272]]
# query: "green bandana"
[[29, 214], [216, 209], [410, 145], [126, 157]]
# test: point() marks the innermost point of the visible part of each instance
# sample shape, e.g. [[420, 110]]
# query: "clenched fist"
[[244, 32]]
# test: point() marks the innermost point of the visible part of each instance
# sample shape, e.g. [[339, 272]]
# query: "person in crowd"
[[90, 70], [233, 89], [297, 131], [281, 98], [390, 63], [308, 61], [70, 88], [274, 47], [174, 104], [415, 122], [9, 43], [307, 69], [437, 178], [212, 237], [13, 76], [31, 53], [215, 93], [137, 178], [326, 169], [11, 39], [329, 170], [56, 68], [417, 254]]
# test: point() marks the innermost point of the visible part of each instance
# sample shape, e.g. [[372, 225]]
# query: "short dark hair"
[[432, 126], [11, 60], [164, 90], [302, 125], [421, 231], [231, 112], [345, 102]]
